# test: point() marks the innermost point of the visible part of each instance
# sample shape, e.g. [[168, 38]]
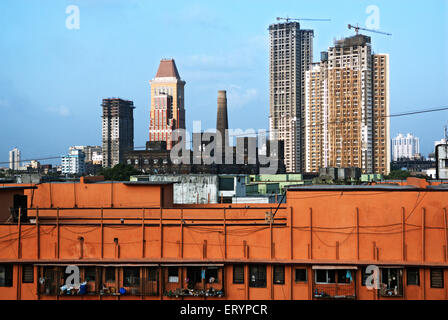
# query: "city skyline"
[[77, 68]]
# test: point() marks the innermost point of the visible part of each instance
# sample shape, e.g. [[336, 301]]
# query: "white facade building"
[[405, 147], [14, 159], [200, 188], [74, 162]]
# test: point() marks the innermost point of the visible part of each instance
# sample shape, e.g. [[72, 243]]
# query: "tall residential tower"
[[118, 130], [291, 54], [347, 108]]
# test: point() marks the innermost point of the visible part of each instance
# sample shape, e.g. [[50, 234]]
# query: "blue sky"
[[52, 79]]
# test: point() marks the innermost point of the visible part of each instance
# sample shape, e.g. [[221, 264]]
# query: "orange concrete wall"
[[313, 227], [85, 195]]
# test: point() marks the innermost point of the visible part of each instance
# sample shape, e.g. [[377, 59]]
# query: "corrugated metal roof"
[[440, 187], [353, 188], [17, 187], [153, 183]]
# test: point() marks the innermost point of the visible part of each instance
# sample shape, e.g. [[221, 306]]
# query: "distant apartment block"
[[14, 159], [91, 152], [167, 103], [442, 161], [74, 162], [405, 147], [97, 158], [347, 107], [291, 54], [93, 158], [117, 129]]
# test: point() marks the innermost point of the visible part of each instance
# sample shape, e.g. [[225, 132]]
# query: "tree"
[[121, 172], [398, 175]]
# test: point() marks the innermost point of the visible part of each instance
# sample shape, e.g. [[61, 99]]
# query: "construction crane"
[[357, 28], [300, 19]]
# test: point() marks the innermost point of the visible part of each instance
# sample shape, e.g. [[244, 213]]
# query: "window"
[[345, 276], [6, 275], [279, 275], [151, 285], [257, 276], [110, 274], [437, 278], [131, 276], [413, 275], [226, 184], [211, 275], [391, 282], [365, 275], [173, 275], [90, 274], [301, 275], [90, 278], [325, 276], [194, 274], [238, 274], [152, 274], [28, 273], [48, 282]]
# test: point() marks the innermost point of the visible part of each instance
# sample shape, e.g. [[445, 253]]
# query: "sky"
[[53, 77]]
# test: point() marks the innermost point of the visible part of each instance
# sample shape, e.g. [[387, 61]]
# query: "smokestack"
[[221, 121]]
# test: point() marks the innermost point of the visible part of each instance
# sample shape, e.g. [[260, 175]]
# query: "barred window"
[[173, 275], [257, 276], [6, 275], [28, 273], [301, 275], [211, 275], [437, 278], [413, 275], [152, 274], [110, 274], [364, 276], [279, 275], [194, 274], [131, 276], [391, 282], [238, 274]]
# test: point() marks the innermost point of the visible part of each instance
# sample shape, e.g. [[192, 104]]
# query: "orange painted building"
[[131, 242]]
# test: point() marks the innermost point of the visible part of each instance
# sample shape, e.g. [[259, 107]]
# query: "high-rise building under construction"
[[291, 54], [347, 108], [118, 130]]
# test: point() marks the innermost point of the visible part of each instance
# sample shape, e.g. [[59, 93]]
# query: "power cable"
[[403, 114]]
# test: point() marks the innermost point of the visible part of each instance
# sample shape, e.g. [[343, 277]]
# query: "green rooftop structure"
[[272, 183]]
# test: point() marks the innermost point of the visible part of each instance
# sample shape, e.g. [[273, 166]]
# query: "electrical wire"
[[403, 114]]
